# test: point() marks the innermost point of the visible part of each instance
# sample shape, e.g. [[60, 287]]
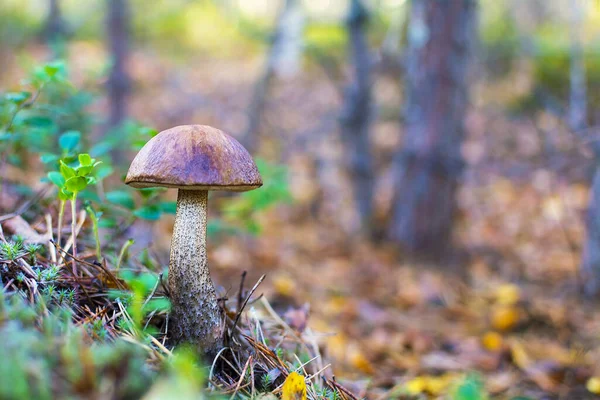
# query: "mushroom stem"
[[195, 315]]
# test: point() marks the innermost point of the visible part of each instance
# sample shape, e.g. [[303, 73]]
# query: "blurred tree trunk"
[[578, 92], [55, 28], [118, 81], [283, 53], [577, 120], [356, 115], [429, 165], [590, 264]]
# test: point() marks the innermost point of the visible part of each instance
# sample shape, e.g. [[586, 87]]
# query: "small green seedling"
[[71, 180]]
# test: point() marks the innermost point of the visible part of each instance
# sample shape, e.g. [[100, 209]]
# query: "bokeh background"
[[428, 168]]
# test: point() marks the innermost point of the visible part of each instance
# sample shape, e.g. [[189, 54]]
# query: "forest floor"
[[508, 308]]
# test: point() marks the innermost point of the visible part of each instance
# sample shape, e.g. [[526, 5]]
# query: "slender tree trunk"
[[118, 81], [578, 94], [590, 264], [356, 115], [289, 22], [577, 120], [429, 165], [55, 28]]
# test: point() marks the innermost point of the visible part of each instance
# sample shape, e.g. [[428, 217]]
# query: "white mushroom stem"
[[195, 316]]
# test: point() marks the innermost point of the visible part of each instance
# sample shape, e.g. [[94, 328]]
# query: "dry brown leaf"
[[18, 226]]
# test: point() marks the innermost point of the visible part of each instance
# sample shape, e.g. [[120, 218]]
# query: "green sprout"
[[71, 180]]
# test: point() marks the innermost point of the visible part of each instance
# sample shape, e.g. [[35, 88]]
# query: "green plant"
[[241, 211], [12, 250], [470, 388], [33, 118], [44, 355], [71, 180], [139, 302]]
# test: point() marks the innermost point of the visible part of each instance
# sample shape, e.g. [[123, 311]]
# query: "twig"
[[51, 247], [153, 290], [239, 313], [82, 215], [241, 291], [214, 363]]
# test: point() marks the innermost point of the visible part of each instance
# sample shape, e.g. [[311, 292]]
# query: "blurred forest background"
[[432, 193]]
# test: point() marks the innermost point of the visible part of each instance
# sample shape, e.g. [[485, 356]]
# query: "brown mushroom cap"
[[194, 157]]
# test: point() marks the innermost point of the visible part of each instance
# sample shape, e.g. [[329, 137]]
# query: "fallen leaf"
[[294, 387], [492, 341], [433, 385], [593, 385], [508, 294], [284, 285], [19, 227], [504, 318], [359, 361], [519, 355]]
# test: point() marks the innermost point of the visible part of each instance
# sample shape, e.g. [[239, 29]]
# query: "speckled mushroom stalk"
[[195, 309], [194, 159]]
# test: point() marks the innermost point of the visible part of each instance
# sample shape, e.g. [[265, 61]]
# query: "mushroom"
[[193, 159]]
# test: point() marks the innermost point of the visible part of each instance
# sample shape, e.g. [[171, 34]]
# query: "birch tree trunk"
[[356, 115], [429, 165], [55, 29], [283, 58], [118, 81], [577, 119]]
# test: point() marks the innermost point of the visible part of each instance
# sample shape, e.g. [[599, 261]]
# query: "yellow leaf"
[[593, 385], [504, 318], [492, 341], [294, 387], [416, 385], [284, 285], [359, 361], [434, 385], [519, 355], [438, 385], [508, 294]]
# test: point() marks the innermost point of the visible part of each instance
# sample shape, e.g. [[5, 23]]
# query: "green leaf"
[[89, 195], [148, 193], [168, 207], [160, 304], [64, 194], [471, 388], [85, 159], [66, 171], [103, 171], [17, 97], [101, 148], [56, 178], [53, 68], [69, 140], [84, 170], [76, 184], [122, 198], [150, 213], [107, 223], [146, 131], [48, 158], [38, 121]]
